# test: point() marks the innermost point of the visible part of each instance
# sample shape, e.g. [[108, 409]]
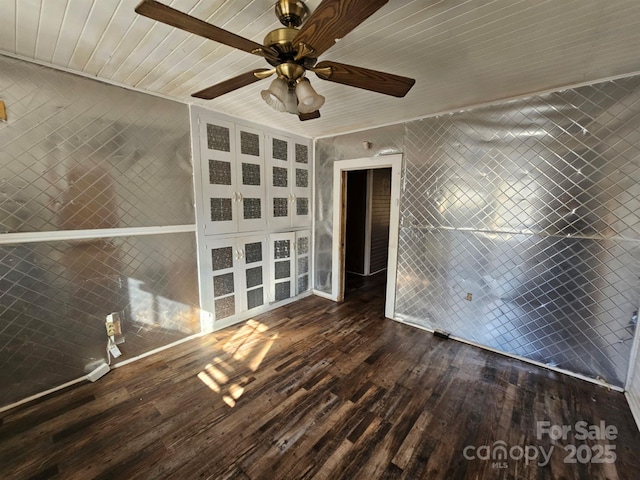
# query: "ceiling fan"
[[292, 51]]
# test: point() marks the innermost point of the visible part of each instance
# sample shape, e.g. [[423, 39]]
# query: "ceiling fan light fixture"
[[291, 51], [308, 99], [276, 95], [291, 72], [291, 102]]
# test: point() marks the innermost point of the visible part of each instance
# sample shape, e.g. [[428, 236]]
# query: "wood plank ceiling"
[[461, 52]]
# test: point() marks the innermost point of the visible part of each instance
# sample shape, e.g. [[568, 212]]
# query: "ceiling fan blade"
[[309, 116], [332, 20], [364, 78], [175, 18], [229, 85]]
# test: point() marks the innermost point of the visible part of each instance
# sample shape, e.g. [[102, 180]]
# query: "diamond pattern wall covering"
[[520, 224], [78, 154], [55, 296], [530, 206]]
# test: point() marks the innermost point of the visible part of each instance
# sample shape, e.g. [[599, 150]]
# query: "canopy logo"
[[499, 453]]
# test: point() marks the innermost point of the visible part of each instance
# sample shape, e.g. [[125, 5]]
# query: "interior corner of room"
[[503, 215]]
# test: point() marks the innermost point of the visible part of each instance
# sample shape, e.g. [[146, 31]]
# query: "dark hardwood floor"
[[322, 390]]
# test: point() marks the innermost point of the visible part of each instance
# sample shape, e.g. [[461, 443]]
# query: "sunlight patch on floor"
[[246, 351]]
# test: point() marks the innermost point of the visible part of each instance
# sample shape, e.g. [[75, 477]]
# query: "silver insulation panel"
[[520, 224], [78, 154], [55, 296], [384, 141]]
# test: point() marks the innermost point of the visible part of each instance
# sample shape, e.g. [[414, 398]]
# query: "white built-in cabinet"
[[288, 181], [254, 210], [232, 166]]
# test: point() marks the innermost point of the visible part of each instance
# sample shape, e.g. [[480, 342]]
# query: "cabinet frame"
[[209, 232]]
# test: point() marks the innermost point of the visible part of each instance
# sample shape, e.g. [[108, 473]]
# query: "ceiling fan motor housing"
[[281, 40]]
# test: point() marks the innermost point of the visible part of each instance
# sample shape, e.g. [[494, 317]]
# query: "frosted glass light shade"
[[275, 96], [308, 100], [291, 102]]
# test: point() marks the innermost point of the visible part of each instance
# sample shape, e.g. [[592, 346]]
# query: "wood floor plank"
[[315, 390]]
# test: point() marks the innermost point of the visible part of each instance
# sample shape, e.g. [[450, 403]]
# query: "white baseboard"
[[328, 296], [517, 357], [42, 394]]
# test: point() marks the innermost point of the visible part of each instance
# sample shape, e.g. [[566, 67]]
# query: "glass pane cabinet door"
[[301, 188], [255, 262], [303, 255], [282, 265], [279, 178], [237, 275], [251, 191], [217, 143], [223, 286]]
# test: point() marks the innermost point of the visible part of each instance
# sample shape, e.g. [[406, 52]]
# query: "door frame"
[[340, 169]]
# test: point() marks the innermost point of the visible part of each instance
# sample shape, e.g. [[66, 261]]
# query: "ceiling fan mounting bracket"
[[269, 55], [323, 72], [264, 73], [291, 13], [303, 51]]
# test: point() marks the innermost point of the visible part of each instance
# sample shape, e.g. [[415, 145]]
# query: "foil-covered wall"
[[79, 154], [383, 141], [519, 226]]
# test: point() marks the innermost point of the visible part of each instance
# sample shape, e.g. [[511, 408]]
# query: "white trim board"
[[61, 235], [319, 293], [85, 379], [339, 167], [367, 224]]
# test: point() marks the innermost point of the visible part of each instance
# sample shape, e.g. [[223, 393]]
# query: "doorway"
[[340, 185], [367, 230]]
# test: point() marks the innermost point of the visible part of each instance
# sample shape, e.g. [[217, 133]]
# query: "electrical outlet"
[[111, 328]]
